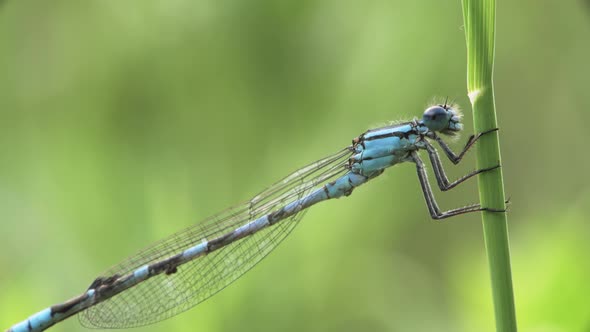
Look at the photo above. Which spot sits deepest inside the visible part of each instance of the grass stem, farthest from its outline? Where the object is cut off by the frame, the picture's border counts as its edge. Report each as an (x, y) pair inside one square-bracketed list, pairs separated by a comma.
[(479, 18)]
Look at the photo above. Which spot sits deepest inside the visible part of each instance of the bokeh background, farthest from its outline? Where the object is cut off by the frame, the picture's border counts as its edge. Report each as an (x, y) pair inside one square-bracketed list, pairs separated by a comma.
[(124, 121)]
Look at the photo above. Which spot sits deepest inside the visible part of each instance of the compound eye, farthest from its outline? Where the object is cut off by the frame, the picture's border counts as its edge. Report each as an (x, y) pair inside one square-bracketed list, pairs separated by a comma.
[(436, 118), (434, 112)]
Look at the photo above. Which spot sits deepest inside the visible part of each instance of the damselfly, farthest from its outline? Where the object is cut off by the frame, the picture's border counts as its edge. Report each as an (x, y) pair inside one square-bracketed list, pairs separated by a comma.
[(192, 265)]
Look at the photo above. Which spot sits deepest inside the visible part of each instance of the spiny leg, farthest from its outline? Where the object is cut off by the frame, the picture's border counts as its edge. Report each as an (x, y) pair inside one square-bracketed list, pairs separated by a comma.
[(457, 158), (439, 172), (433, 208)]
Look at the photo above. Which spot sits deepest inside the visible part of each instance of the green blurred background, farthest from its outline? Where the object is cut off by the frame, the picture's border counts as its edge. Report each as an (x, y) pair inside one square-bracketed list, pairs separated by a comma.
[(124, 121)]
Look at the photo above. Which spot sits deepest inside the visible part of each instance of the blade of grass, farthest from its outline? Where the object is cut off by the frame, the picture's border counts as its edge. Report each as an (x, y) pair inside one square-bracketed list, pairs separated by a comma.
[(479, 18)]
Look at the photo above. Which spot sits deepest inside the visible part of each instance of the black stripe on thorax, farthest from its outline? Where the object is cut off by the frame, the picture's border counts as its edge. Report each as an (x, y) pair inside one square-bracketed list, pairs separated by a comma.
[(393, 133), (400, 134)]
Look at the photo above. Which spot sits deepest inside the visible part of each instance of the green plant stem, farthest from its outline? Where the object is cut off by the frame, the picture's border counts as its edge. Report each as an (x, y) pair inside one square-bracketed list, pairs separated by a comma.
[(479, 18)]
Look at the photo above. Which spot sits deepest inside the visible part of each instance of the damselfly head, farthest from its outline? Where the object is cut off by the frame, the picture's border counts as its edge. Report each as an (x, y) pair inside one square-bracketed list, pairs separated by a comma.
[(443, 118)]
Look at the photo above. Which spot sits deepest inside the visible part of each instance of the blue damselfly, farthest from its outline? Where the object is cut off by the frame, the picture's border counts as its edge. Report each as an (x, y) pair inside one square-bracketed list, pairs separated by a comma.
[(190, 266)]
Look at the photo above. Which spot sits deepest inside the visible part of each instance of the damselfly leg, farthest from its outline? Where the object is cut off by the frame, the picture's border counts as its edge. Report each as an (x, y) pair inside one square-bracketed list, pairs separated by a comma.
[(456, 158), (433, 208), (439, 172)]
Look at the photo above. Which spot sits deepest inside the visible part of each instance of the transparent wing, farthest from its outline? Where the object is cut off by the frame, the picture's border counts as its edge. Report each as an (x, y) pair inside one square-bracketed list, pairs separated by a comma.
[(164, 296)]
